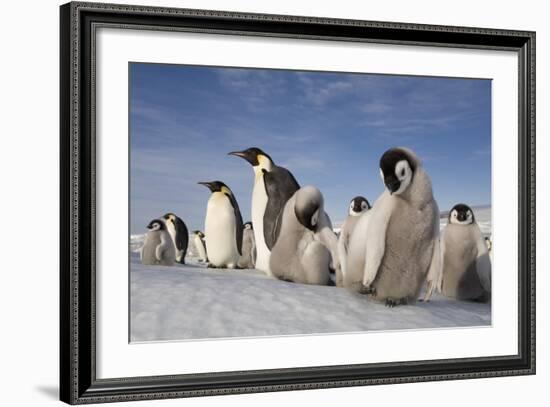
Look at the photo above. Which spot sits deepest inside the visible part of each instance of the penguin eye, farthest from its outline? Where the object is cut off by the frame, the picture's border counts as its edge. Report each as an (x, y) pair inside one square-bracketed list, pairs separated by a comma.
[(364, 205), (403, 172)]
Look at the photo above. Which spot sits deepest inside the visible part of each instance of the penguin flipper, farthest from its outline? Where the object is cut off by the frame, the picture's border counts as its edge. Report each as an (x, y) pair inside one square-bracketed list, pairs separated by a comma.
[(379, 217), (280, 185), (182, 240), (435, 272)]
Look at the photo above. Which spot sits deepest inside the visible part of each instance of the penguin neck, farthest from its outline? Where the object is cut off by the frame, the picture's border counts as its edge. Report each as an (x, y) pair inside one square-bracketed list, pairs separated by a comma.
[(264, 165)]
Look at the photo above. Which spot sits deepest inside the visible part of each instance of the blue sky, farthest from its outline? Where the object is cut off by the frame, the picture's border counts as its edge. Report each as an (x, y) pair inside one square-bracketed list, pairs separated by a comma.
[(328, 129)]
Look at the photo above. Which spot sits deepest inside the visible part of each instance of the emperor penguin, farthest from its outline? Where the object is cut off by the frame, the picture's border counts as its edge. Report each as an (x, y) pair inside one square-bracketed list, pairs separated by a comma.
[(394, 248), (357, 206), (273, 187), (466, 262), (223, 226), (158, 248), (200, 248), (180, 236), (248, 258), (301, 254)]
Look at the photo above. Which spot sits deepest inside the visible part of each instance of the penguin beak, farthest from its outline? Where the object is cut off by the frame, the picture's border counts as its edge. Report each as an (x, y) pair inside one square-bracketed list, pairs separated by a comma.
[(247, 155), (393, 185), (207, 185)]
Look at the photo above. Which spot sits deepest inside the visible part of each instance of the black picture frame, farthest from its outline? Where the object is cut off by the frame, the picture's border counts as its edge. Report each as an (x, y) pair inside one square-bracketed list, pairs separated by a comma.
[(78, 382)]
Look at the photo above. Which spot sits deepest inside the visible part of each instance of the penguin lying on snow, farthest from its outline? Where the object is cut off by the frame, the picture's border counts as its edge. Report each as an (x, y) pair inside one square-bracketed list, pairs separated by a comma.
[(466, 263), (301, 254), (198, 242), (394, 248), (273, 187), (223, 226), (158, 247), (180, 235), (358, 206), (248, 258)]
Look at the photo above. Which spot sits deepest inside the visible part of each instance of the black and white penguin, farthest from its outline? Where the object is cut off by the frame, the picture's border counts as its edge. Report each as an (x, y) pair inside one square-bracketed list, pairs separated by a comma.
[(248, 258), (200, 247), (180, 236), (394, 248), (466, 262), (301, 254), (223, 226), (158, 247), (357, 207), (273, 187)]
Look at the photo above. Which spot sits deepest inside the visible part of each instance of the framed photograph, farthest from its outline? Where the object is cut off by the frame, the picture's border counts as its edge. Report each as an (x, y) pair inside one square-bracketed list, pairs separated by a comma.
[(255, 203)]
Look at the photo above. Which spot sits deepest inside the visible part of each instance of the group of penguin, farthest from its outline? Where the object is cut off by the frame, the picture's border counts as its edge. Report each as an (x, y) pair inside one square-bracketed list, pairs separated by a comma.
[(389, 251)]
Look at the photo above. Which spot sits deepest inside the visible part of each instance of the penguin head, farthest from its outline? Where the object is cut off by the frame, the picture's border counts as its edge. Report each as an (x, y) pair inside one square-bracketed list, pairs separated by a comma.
[(358, 205), (248, 225), (156, 225), (461, 214), (217, 186), (488, 243), (397, 168), (198, 233), (256, 157), (170, 217), (308, 207)]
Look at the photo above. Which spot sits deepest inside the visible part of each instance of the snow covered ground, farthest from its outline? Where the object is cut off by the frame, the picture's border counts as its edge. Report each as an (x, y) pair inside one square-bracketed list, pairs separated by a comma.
[(193, 302)]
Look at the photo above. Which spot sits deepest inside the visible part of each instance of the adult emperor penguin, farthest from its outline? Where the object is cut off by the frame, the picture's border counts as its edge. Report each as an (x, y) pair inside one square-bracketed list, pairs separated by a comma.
[(158, 248), (223, 226), (200, 248), (180, 235), (394, 248), (357, 206), (248, 258), (466, 263), (273, 187), (301, 254)]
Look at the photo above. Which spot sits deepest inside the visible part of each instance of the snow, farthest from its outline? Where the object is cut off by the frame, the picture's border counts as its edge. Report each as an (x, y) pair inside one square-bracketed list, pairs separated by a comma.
[(193, 302)]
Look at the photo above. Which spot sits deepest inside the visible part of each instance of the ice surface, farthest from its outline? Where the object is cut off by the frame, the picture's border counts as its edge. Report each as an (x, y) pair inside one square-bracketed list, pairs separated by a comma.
[(193, 302)]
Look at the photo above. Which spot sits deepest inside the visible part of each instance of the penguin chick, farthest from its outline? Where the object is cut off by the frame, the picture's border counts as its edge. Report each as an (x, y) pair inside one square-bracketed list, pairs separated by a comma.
[(223, 226), (200, 247), (158, 248), (466, 262), (248, 258), (357, 206), (180, 236), (299, 255), (394, 248)]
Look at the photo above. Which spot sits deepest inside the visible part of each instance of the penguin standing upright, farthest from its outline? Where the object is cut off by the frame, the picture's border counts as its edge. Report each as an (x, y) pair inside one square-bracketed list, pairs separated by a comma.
[(200, 248), (273, 187), (180, 236), (466, 263), (248, 258), (301, 254), (223, 226), (357, 206), (394, 248), (158, 248)]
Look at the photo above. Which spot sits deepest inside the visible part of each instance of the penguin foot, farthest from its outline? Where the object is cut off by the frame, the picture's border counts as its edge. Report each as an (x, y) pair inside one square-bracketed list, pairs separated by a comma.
[(211, 266), (391, 302), (370, 290)]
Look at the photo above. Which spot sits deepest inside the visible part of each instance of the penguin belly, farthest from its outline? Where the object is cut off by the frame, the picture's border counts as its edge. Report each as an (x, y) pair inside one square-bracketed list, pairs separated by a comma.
[(199, 247), (460, 276), (148, 256), (259, 203), (220, 230), (407, 257)]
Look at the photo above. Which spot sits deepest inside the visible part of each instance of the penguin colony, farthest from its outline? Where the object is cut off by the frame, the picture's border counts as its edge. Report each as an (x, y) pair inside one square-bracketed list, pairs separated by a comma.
[(390, 252)]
